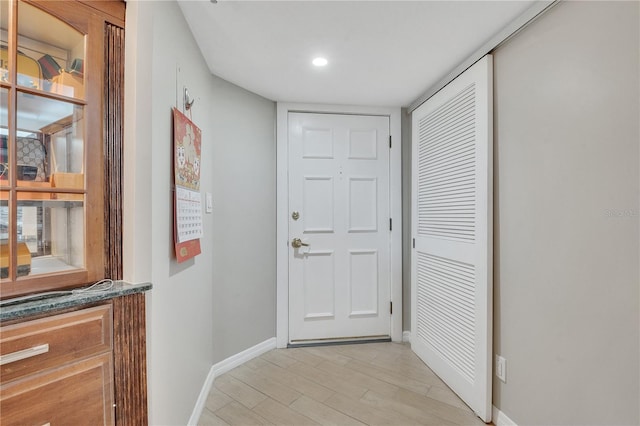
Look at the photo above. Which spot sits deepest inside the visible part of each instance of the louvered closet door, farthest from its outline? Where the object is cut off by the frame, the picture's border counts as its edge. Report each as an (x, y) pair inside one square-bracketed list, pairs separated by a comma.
[(452, 226)]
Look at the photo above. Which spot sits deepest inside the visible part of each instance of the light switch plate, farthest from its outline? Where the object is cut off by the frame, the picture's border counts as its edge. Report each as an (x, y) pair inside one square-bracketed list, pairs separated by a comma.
[(208, 203), (501, 368)]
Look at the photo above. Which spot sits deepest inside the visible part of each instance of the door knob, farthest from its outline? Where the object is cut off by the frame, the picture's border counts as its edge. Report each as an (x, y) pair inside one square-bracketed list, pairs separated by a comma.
[(297, 243)]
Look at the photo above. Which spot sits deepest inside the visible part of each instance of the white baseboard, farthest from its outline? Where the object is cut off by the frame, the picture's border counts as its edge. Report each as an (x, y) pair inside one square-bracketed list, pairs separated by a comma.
[(406, 336), (501, 419), (224, 366), (202, 398)]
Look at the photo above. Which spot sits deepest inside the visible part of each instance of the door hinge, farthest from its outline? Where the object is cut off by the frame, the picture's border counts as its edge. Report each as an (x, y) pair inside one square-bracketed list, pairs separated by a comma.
[(390, 224), (414, 243), (390, 308), (389, 141)]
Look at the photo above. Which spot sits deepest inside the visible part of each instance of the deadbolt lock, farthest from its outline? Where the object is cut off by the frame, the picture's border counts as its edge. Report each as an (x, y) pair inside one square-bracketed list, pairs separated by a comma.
[(295, 215)]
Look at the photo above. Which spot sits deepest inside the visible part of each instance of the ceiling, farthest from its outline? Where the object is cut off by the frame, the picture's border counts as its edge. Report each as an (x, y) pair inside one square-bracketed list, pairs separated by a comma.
[(380, 53)]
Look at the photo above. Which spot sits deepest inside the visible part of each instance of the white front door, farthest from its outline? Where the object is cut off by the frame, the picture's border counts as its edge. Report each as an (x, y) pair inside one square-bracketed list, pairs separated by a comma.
[(339, 282)]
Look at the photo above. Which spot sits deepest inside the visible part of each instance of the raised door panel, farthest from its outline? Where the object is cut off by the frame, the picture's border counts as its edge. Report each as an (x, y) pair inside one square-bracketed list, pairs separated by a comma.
[(363, 282), (76, 394), (317, 205), (363, 204), (319, 284)]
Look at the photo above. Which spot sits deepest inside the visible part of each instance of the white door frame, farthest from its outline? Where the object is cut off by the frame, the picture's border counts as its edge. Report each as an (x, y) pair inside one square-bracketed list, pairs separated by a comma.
[(282, 210)]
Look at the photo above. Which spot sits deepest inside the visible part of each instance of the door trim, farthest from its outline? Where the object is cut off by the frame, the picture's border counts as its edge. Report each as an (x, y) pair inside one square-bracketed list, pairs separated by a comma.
[(282, 210)]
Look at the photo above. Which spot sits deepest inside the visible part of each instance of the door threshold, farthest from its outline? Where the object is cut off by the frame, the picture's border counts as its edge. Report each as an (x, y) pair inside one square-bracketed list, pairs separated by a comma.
[(305, 343)]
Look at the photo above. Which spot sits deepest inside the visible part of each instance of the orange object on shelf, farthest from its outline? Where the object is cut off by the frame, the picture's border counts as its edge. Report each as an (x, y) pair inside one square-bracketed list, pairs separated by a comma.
[(68, 181), (29, 71), (68, 84), (24, 260)]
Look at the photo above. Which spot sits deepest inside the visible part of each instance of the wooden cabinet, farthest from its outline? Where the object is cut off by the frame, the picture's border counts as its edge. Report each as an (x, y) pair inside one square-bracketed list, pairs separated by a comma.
[(59, 369), (61, 87)]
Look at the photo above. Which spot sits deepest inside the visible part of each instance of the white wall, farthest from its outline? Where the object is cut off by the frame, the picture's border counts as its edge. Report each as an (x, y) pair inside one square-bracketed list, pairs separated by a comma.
[(213, 306), (244, 231), (567, 94)]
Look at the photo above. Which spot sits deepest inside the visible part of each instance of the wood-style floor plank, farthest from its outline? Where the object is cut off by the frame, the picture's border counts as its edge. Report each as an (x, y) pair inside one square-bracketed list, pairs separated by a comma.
[(366, 413), (389, 377), (295, 381), (328, 380), (423, 417), (329, 353), (446, 395), (437, 408), (303, 355), (279, 358), (270, 388), (217, 399), (411, 369), (357, 378), (237, 414), (322, 413), (207, 418), (281, 415), (239, 391), (361, 384)]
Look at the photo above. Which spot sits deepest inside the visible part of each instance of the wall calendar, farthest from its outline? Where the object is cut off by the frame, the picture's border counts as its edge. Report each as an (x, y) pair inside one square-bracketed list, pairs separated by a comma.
[(187, 144)]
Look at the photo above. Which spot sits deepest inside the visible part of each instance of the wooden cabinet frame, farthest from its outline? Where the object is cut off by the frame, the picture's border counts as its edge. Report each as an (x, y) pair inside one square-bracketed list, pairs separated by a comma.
[(99, 21)]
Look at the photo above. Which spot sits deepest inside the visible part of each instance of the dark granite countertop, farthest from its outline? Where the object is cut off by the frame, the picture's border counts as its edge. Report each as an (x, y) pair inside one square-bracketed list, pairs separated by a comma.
[(54, 301)]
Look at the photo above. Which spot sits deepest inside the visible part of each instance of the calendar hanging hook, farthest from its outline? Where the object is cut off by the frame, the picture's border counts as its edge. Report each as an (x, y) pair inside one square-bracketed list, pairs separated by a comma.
[(188, 102)]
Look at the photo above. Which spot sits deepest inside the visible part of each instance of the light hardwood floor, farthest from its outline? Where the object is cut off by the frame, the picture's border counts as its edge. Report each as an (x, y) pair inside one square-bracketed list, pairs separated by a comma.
[(364, 384)]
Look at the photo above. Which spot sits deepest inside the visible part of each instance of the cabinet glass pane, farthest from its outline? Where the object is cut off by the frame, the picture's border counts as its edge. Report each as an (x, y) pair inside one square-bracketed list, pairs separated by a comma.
[(50, 53), (4, 235), (50, 142), (4, 40), (4, 134), (50, 235)]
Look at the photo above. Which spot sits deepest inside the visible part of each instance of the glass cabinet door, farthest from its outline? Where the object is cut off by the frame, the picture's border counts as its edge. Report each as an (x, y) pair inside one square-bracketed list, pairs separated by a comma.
[(46, 142)]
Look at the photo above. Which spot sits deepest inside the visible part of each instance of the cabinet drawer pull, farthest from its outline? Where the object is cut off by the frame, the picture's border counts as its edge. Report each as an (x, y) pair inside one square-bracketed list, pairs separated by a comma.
[(24, 354)]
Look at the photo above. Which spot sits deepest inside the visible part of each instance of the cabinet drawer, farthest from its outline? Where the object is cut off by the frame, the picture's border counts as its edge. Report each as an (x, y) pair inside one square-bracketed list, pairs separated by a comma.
[(36, 345), (80, 393)]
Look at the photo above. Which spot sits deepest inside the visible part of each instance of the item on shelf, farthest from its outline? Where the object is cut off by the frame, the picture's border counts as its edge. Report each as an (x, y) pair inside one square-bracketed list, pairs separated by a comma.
[(68, 84), (77, 67), (67, 181), (50, 68), (24, 260), (31, 152), (27, 172), (32, 159), (29, 71)]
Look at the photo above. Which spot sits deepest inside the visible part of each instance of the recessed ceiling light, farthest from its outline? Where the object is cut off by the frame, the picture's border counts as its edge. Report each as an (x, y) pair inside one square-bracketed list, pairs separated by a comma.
[(320, 62)]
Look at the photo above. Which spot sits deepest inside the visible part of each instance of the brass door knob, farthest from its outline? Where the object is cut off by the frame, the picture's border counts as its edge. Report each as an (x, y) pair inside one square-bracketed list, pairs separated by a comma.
[(297, 243)]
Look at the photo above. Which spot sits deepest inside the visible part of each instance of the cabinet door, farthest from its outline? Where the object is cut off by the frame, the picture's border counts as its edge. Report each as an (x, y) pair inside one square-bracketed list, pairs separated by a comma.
[(51, 137), (76, 394)]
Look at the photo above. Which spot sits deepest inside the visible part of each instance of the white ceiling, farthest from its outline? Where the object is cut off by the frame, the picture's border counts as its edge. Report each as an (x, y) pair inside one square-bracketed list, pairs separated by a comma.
[(381, 53)]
